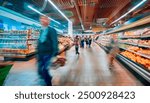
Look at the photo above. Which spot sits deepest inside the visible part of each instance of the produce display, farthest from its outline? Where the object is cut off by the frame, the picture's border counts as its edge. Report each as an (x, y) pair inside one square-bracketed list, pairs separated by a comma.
[(139, 52), (146, 31), (144, 42), (136, 58), (64, 42), (135, 45), (104, 40), (132, 41)]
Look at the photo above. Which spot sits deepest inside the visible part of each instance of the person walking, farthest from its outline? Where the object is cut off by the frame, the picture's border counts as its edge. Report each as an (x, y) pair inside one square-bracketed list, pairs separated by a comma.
[(46, 49), (113, 51), (90, 41), (76, 43), (82, 42), (86, 41)]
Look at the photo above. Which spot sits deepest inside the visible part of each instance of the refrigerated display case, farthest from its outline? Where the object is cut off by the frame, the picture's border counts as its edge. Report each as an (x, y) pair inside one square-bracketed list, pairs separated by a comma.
[(134, 44)]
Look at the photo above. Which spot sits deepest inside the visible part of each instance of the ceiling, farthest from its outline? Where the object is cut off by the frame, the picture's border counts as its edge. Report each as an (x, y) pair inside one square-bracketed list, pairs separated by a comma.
[(90, 13)]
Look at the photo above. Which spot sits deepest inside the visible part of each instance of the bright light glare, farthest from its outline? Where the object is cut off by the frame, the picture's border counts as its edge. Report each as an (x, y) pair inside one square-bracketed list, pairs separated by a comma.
[(82, 27), (42, 14), (129, 11), (58, 10), (35, 10)]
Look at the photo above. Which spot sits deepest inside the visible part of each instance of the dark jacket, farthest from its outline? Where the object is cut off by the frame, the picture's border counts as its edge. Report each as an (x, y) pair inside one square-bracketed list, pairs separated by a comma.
[(50, 45)]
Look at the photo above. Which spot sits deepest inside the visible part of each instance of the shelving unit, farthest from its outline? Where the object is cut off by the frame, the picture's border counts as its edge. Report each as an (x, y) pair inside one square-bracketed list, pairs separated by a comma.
[(18, 44), (138, 37), (140, 54), (135, 25), (64, 43), (140, 70), (138, 45)]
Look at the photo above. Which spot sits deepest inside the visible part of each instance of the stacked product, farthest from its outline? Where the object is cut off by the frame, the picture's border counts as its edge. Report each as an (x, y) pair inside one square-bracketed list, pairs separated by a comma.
[(137, 46), (141, 59), (18, 43), (64, 44), (104, 40)]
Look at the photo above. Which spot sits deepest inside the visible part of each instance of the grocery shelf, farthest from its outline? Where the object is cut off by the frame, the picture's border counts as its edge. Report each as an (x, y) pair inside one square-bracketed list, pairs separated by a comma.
[(102, 46), (145, 46), (141, 22), (14, 39), (145, 36), (14, 55), (138, 69), (135, 37), (13, 34), (4, 33), (18, 55), (129, 43), (140, 54), (138, 45), (129, 37)]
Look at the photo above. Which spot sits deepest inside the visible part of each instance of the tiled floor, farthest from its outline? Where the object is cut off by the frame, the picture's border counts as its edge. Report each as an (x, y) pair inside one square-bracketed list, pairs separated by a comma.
[(90, 68)]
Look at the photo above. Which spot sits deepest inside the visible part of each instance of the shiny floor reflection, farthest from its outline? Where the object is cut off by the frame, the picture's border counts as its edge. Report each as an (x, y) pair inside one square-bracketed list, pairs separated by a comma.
[(90, 68)]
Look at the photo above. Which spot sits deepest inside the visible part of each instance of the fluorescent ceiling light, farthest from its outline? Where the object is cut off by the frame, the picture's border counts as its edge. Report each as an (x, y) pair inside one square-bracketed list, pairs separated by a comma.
[(42, 14), (61, 31), (59, 10), (135, 7), (82, 27)]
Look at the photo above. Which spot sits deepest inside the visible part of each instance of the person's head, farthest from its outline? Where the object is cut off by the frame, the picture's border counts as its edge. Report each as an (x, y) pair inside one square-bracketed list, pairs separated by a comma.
[(45, 21), (77, 36)]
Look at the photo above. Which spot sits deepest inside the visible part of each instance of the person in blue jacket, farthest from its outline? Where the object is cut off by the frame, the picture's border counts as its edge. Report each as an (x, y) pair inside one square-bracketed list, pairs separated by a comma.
[(46, 49)]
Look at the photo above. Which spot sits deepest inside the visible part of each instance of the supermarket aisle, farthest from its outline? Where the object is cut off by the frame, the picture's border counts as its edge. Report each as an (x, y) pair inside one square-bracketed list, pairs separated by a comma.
[(91, 68), (88, 69)]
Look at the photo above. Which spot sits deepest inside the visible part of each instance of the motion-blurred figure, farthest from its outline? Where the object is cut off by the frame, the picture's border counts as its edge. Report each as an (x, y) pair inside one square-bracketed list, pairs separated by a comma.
[(90, 41), (82, 42), (47, 48), (76, 43), (87, 41), (113, 51)]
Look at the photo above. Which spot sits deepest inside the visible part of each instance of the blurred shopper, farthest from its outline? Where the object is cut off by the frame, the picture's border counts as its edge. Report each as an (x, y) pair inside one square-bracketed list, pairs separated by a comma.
[(113, 51), (86, 41), (47, 48), (82, 42), (76, 43), (90, 41)]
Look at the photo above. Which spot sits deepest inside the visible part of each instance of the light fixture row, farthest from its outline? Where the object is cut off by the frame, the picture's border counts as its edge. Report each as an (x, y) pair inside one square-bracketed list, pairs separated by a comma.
[(42, 14), (135, 7)]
